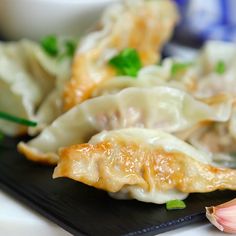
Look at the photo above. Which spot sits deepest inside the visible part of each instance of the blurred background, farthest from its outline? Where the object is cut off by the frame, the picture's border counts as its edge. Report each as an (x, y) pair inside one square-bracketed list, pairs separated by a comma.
[(206, 19), (200, 19)]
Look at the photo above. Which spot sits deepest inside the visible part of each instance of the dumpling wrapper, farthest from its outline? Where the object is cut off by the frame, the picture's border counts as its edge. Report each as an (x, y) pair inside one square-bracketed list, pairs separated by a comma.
[(52, 105), (209, 56), (27, 76), (211, 82), (165, 108), (149, 76), (218, 140), (147, 165), (198, 77), (148, 25)]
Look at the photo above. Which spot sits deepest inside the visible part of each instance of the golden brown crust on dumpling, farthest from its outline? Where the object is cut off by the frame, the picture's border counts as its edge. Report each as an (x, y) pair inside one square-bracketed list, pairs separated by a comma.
[(112, 165), (143, 25), (34, 155), (81, 85)]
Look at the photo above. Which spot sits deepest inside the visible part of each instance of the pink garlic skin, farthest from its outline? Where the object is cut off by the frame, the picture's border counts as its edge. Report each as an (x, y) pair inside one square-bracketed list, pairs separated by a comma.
[(223, 216)]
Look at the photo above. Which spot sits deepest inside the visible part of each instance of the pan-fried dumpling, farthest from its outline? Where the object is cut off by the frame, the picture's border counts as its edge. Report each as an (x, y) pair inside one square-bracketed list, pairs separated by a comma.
[(27, 76), (218, 140), (213, 81), (211, 72), (169, 109), (214, 84), (147, 165), (148, 25), (199, 77), (52, 106), (149, 76), (209, 56)]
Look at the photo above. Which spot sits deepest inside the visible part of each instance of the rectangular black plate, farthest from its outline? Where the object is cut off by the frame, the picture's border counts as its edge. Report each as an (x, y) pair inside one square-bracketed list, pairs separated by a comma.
[(83, 210)]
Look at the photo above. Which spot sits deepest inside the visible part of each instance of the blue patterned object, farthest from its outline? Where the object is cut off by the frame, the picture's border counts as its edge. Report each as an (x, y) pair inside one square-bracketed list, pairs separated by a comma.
[(207, 19)]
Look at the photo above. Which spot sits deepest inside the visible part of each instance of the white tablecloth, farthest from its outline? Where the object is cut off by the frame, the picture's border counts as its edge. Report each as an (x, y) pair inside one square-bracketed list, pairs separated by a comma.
[(17, 219)]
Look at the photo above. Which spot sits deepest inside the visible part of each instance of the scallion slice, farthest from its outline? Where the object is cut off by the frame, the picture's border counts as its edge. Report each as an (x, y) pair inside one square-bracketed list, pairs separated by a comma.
[(179, 67), (175, 204), (15, 119), (50, 45), (220, 67), (70, 47), (127, 62), (1, 136)]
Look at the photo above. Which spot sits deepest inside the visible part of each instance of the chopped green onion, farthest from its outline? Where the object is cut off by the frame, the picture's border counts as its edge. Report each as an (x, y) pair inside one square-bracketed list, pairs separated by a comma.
[(232, 154), (220, 67), (70, 47), (57, 47), (175, 204), (178, 67), (1, 136), (8, 117), (127, 62), (50, 45), (67, 49)]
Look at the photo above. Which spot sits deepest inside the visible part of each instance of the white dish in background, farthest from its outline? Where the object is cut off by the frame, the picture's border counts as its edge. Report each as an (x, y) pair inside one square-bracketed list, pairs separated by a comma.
[(34, 19)]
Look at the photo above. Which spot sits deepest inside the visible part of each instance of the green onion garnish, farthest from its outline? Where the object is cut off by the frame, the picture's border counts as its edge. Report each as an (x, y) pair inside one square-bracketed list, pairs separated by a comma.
[(179, 67), (70, 47), (1, 136), (232, 154), (8, 117), (175, 204), (220, 67), (127, 62), (67, 49), (50, 45), (60, 48)]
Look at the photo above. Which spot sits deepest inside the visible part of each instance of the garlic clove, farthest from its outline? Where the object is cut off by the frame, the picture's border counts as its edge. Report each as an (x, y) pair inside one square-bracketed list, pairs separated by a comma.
[(223, 216)]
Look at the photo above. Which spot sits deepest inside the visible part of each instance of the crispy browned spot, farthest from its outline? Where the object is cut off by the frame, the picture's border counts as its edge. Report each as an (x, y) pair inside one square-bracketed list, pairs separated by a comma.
[(113, 165), (34, 155), (82, 82)]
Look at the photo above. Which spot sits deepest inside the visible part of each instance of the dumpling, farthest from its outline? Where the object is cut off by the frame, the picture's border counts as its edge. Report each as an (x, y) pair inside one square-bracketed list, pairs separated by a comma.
[(209, 56), (148, 76), (148, 25), (147, 165), (119, 83), (198, 77), (165, 108), (27, 76), (212, 82), (218, 140), (52, 106)]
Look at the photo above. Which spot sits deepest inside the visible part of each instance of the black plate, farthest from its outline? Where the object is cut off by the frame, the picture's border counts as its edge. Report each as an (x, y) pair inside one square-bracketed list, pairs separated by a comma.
[(83, 210)]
